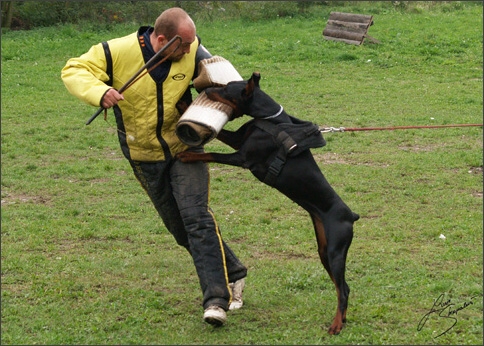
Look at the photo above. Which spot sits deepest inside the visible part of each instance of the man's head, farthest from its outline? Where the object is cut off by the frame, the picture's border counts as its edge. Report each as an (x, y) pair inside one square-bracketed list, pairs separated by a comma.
[(172, 22)]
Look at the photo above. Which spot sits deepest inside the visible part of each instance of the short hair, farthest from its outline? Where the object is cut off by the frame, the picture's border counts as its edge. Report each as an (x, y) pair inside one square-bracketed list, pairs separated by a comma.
[(169, 20)]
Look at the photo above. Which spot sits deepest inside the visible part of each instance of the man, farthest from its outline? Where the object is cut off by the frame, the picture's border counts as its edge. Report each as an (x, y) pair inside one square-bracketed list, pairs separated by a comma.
[(146, 116)]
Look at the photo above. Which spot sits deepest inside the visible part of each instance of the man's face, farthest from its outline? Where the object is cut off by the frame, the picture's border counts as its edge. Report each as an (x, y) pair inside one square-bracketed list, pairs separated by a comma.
[(187, 34)]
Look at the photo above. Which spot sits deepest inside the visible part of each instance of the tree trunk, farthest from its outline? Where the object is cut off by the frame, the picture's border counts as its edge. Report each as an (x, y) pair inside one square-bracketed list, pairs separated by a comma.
[(7, 11)]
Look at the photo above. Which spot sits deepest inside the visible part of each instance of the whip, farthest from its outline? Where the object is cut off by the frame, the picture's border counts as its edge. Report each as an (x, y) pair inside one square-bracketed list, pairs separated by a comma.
[(139, 74)]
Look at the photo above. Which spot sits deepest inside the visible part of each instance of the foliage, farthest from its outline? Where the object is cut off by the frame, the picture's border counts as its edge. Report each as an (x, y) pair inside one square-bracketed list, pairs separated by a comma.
[(30, 14), (86, 260)]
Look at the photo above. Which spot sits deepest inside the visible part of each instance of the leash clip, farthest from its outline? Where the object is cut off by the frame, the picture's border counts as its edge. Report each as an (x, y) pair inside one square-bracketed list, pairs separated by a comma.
[(331, 129)]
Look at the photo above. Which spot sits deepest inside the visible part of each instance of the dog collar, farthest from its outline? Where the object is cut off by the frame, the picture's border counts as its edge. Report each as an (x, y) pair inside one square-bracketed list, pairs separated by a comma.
[(275, 115)]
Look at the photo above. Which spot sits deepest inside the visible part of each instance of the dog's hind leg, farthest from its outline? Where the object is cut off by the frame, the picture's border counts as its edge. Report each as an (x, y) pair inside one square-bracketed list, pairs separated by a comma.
[(339, 241), (332, 253), (322, 243)]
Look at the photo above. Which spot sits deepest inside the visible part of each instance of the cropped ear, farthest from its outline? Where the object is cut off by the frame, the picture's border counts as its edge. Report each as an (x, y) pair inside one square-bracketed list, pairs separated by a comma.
[(256, 78), (252, 83)]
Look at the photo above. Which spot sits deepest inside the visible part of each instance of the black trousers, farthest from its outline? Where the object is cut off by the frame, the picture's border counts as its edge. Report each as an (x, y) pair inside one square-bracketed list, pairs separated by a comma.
[(179, 192)]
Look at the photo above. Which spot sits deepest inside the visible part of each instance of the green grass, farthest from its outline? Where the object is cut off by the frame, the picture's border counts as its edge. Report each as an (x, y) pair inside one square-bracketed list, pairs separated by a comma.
[(86, 260)]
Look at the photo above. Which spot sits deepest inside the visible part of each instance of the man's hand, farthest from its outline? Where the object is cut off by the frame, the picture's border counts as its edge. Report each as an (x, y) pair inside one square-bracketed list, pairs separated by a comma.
[(111, 98)]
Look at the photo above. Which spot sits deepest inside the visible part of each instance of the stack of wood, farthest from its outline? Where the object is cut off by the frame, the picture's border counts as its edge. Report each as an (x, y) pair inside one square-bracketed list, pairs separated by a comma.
[(349, 28)]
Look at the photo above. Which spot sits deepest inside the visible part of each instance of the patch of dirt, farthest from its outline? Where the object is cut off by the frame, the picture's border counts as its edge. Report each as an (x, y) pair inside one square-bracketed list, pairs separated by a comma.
[(329, 158), (8, 199), (284, 255), (475, 170), (419, 148)]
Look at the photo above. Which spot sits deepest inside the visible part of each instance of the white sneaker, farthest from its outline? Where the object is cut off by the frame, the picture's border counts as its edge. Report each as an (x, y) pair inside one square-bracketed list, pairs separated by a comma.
[(237, 288), (215, 315)]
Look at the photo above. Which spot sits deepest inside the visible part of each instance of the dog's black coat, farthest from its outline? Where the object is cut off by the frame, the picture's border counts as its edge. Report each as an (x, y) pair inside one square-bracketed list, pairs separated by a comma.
[(299, 177)]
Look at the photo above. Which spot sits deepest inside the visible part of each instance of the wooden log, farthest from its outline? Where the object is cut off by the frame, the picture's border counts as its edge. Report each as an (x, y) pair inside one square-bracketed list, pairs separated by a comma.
[(357, 43), (352, 36), (349, 26), (350, 17)]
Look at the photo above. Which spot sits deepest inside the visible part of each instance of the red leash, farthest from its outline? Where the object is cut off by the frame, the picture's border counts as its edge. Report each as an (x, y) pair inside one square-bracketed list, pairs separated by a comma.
[(350, 129)]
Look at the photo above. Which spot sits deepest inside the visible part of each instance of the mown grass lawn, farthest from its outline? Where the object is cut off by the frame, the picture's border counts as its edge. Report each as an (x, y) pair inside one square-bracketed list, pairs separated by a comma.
[(85, 260)]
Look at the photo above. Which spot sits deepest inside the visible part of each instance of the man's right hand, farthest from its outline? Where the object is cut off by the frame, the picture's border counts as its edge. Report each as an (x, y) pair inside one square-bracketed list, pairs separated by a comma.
[(111, 98)]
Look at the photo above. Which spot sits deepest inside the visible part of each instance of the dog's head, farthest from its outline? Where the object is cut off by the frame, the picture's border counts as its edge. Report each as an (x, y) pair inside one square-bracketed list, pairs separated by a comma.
[(245, 97)]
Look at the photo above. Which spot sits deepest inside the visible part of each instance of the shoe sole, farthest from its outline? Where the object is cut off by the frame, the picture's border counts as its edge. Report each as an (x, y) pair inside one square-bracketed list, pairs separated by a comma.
[(214, 321), (215, 317)]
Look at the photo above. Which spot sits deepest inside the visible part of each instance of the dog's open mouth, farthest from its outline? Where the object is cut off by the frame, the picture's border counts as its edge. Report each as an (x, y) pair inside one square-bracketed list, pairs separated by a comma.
[(202, 121), (214, 95)]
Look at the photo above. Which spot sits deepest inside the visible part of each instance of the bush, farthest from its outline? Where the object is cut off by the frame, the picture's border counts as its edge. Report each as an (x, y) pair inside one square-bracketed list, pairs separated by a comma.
[(30, 14)]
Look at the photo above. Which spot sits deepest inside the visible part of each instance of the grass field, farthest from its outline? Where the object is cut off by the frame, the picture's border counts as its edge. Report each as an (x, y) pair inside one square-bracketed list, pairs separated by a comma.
[(86, 260)]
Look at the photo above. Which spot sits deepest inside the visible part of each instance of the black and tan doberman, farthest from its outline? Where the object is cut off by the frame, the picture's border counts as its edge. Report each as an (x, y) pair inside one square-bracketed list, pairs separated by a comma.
[(277, 156)]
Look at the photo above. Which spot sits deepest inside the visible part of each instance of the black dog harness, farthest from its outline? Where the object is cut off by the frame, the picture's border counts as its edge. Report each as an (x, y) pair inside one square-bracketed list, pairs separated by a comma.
[(292, 139)]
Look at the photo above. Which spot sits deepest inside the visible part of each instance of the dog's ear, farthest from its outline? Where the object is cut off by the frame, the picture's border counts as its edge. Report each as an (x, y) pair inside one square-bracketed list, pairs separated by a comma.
[(256, 78), (252, 83)]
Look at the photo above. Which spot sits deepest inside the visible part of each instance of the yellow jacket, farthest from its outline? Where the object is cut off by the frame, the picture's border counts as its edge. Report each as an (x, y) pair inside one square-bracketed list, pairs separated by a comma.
[(146, 131)]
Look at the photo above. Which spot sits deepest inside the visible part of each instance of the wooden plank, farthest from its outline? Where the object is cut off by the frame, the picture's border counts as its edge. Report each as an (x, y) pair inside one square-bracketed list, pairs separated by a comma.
[(357, 43), (352, 27), (350, 17), (353, 36), (345, 29)]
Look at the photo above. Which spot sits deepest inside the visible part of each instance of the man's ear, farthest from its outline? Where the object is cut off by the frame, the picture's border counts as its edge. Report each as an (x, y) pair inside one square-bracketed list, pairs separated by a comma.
[(161, 40)]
